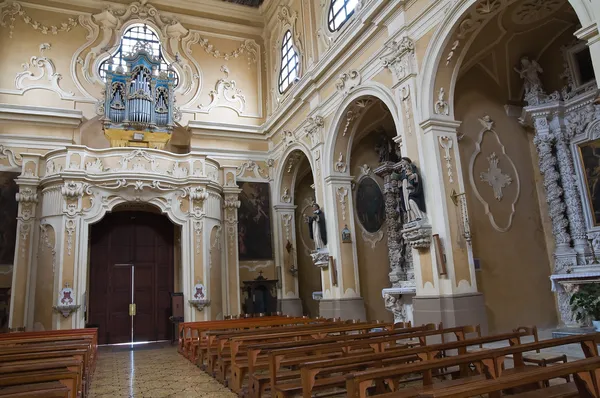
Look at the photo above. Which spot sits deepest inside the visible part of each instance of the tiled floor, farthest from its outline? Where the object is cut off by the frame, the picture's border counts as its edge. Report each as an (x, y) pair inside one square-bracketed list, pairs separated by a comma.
[(151, 372)]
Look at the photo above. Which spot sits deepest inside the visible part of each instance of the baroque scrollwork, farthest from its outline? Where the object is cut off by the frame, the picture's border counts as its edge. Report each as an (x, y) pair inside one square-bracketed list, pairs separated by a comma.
[(400, 58), (47, 77), (348, 81), (225, 95)]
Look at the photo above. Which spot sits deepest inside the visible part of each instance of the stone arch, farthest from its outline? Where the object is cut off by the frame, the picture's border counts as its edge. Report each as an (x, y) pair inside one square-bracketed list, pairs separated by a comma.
[(375, 92), (280, 179), (443, 47)]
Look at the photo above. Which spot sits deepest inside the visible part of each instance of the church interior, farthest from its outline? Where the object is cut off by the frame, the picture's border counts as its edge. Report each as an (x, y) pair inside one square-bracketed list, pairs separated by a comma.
[(316, 198)]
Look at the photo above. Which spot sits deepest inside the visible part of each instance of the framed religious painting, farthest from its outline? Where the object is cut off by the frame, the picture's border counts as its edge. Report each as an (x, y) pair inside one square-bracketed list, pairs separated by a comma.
[(254, 222), (589, 155), (370, 205)]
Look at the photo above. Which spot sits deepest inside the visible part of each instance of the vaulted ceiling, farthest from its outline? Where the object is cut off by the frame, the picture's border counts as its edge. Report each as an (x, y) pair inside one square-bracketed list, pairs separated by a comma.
[(251, 3)]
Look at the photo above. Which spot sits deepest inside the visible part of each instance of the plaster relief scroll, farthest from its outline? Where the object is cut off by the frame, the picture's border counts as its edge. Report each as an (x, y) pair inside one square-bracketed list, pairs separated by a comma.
[(225, 95), (494, 177), (46, 78)]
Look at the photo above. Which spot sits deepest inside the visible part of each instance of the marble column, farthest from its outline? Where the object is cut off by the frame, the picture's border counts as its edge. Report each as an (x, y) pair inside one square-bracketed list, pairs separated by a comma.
[(289, 301), (231, 205), (394, 237), (557, 207), (27, 197), (571, 194)]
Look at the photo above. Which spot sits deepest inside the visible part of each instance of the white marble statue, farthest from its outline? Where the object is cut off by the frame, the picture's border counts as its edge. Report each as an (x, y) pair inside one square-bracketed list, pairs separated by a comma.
[(317, 229), (529, 72), (413, 203)]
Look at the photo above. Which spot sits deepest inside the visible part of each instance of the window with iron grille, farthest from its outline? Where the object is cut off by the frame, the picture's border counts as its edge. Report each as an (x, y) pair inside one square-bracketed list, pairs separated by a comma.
[(142, 34), (339, 12), (289, 63)]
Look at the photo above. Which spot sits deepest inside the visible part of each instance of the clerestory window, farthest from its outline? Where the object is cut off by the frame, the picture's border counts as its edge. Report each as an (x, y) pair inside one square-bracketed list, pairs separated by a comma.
[(289, 63), (138, 34), (339, 12)]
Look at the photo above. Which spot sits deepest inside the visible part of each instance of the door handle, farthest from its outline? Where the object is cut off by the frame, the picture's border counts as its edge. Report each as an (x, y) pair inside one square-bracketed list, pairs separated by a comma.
[(132, 309)]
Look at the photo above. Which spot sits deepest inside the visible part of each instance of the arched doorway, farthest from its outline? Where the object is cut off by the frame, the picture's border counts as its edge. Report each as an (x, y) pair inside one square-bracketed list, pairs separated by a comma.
[(131, 262)]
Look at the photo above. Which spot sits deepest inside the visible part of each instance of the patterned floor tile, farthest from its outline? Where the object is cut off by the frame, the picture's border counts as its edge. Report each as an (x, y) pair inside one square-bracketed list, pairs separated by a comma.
[(151, 373)]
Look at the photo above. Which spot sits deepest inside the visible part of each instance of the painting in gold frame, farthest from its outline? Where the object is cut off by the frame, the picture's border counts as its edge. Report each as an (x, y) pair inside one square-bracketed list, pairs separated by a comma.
[(589, 155)]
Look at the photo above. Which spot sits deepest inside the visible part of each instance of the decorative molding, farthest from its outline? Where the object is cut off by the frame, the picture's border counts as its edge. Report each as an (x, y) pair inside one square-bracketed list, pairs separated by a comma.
[(314, 126), (15, 9), (46, 243), (225, 95), (400, 58), (46, 69), (441, 106), (249, 48), (481, 12), (254, 168), (407, 105), (256, 265), (285, 197), (348, 81), (495, 177), (287, 137), (372, 238), (447, 143), (287, 223), (355, 111), (488, 127), (342, 194), (531, 11), (340, 165), (13, 160)]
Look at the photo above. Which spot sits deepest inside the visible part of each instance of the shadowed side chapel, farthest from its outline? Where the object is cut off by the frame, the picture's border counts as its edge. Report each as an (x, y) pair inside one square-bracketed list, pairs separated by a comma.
[(239, 178)]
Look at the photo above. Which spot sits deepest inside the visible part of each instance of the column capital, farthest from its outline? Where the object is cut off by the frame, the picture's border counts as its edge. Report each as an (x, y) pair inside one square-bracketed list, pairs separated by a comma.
[(285, 208), (443, 125), (338, 179)]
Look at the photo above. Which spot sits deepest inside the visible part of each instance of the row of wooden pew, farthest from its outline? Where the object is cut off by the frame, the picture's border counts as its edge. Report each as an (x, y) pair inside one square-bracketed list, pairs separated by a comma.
[(56, 363), (287, 357)]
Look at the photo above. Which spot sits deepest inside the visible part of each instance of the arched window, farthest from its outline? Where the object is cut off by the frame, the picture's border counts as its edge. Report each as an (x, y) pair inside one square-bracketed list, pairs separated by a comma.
[(289, 63), (339, 12), (138, 33)]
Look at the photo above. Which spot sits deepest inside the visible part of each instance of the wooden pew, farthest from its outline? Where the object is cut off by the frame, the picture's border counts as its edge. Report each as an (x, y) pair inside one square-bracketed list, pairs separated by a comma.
[(489, 362), (311, 367), (216, 351), (187, 330), (30, 354), (67, 371), (586, 371), (248, 360), (315, 333), (252, 361), (204, 337), (52, 389)]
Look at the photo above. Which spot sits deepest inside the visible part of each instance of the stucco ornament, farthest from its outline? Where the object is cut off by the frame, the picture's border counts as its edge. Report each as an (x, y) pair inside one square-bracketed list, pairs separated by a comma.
[(495, 177), (531, 11), (441, 105), (400, 58), (225, 95), (394, 305), (46, 78), (14, 10)]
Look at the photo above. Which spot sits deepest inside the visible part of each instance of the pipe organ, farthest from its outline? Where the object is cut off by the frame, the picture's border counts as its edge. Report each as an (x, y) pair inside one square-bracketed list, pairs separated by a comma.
[(139, 102)]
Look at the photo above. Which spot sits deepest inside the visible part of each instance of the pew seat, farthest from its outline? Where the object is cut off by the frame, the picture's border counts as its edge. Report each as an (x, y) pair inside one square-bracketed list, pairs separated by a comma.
[(52, 389)]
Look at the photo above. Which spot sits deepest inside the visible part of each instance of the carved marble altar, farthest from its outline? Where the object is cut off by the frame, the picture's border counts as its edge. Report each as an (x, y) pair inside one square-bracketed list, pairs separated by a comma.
[(405, 234), (562, 123)]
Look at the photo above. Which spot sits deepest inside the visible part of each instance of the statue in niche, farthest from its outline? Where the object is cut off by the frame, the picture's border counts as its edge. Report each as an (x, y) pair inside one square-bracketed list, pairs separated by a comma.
[(412, 201), (385, 149), (530, 71), (316, 224)]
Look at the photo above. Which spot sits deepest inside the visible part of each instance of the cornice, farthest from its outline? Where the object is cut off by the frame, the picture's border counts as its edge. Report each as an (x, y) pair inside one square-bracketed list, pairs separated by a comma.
[(53, 117), (214, 129), (250, 22)]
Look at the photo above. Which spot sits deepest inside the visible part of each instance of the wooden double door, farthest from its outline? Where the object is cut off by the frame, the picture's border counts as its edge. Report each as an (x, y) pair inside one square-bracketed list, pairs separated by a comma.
[(131, 277)]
